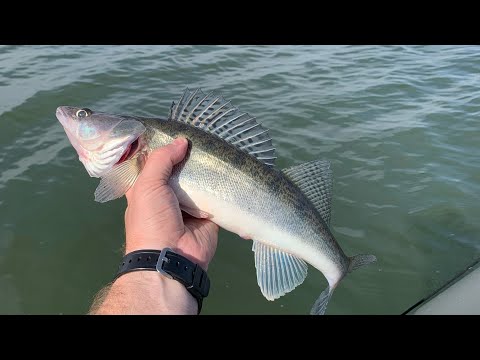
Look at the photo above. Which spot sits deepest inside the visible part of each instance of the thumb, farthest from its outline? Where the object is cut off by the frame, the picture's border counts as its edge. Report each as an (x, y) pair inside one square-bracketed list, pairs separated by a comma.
[(158, 167), (161, 161)]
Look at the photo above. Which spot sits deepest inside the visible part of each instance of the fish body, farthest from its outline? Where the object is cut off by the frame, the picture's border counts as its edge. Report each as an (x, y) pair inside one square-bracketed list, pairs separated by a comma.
[(229, 177)]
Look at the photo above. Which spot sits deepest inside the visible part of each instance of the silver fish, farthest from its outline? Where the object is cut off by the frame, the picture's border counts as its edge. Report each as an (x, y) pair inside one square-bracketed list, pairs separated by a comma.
[(228, 176)]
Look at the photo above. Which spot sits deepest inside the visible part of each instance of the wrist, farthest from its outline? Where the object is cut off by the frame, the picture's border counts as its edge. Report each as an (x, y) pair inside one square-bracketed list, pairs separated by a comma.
[(148, 292), (134, 243), (171, 265)]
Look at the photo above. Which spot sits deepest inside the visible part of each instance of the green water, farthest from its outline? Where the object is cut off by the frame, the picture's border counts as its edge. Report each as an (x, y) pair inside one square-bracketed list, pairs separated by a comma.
[(400, 125)]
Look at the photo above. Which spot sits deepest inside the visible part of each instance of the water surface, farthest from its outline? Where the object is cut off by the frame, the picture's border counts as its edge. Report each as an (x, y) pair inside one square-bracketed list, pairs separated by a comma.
[(399, 124)]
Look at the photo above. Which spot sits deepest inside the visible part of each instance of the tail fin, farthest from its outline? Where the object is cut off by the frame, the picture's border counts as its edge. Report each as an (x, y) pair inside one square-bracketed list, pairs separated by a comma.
[(321, 304), (355, 262), (360, 260)]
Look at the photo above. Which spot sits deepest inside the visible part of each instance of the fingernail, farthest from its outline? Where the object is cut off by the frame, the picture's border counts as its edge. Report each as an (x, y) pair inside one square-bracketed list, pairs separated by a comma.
[(179, 141)]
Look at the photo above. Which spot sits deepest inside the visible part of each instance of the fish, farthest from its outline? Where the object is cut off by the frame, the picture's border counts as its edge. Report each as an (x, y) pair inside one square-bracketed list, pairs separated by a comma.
[(228, 176)]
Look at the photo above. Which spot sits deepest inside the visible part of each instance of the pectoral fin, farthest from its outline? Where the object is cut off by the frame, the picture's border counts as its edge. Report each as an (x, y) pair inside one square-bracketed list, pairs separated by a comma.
[(117, 181)]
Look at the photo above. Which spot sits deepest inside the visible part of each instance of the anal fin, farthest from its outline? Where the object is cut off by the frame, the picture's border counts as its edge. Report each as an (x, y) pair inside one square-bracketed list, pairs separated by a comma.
[(277, 271)]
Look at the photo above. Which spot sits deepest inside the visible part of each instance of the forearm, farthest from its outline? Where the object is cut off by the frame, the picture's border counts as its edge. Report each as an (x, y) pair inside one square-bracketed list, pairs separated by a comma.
[(145, 292)]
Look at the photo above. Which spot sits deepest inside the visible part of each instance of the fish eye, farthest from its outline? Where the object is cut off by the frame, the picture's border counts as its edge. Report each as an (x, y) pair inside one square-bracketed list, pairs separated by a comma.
[(83, 113)]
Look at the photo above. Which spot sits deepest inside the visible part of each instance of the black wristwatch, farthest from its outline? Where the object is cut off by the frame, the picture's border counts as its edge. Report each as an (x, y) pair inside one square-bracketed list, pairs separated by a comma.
[(173, 266)]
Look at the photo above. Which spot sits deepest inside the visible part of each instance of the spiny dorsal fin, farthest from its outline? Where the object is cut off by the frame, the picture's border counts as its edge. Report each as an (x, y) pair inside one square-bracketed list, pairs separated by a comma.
[(277, 271), (315, 180), (213, 114)]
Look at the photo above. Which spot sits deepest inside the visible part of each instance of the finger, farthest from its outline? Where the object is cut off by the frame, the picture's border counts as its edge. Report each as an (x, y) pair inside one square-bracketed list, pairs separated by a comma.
[(161, 161), (158, 167), (203, 225)]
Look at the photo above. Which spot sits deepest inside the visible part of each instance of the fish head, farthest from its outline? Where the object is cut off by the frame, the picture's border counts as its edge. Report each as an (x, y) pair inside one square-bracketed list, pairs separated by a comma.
[(101, 140)]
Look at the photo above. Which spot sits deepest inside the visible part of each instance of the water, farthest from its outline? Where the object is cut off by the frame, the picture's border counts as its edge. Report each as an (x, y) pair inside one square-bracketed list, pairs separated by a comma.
[(399, 124)]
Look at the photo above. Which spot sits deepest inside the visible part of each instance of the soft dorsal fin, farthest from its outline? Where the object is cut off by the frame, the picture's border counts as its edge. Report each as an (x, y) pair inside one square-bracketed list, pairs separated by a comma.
[(314, 178), (215, 115)]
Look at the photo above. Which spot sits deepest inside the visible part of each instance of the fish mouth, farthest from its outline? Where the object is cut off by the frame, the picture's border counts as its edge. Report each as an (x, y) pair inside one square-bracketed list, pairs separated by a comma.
[(61, 116), (130, 151)]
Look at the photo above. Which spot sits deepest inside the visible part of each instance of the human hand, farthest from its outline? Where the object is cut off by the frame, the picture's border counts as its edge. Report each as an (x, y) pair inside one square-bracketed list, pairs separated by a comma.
[(153, 219)]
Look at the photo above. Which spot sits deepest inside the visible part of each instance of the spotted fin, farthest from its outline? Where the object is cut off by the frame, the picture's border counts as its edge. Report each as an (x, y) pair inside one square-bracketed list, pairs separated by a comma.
[(314, 178), (213, 114)]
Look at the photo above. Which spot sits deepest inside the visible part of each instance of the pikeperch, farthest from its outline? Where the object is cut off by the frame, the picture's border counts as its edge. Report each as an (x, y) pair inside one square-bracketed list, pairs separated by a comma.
[(228, 176)]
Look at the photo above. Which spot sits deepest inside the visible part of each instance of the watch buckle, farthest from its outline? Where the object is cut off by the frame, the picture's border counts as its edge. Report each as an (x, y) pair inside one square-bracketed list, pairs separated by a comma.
[(161, 260)]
